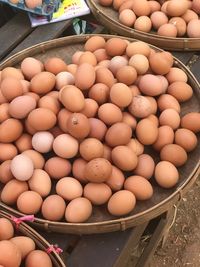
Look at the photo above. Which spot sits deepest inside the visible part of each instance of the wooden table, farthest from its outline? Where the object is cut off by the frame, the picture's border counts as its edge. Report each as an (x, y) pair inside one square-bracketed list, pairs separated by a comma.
[(99, 250)]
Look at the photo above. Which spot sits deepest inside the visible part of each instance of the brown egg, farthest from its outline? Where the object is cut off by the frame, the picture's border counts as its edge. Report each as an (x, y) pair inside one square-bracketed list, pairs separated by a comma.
[(139, 186), (5, 172), (127, 17), (78, 169), (40, 182), (107, 152), (98, 194), (143, 127), (164, 82), (186, 139), (72, 68), (10, 130), (69, 188), (124, 158), (98, 170), (145, 166), (105, 76), (154, 105), (120, 95), (117, 3), (174, 154), (136, 146), (115, 46), (154, 119), (176, 75), (6, 229), (165, 137), (166, 174), (158, 18), (116, 180), (87, 57), (118, 134), (29, 202), (12, 190), (76, 56), (24, 142), (176, 8), (61, 142), (85, 76), (191, 121), (97, 129), (24, 243), (129, 120), (90, 108), (57, 167), (91, 148), (94, 43), (126, 5), (2, 98), (143, 24), (170, 117), (154, 6), (140, 63), (116, 63), (121, 203), (138, 47), (72, 98), (126, 75), (4, 114), (8, 151), (180, 25), (167, 29), (33, 4), (10, 254), (101, 54), (55, 65), (109, 113), (53, 208), (161, 62), (140, 107), (25, 85), (78, 125), (33, 95), (36, 157), (38, 257), (62, 117), (31, 66), (64, 78), (100, 93), (50, 103), (167, 101), (42, 119), (43, 82), (10, 88), (141, 8), (180, 90), (150, 85), (21, 106), (12, 72), (78, 210), (189, 15)]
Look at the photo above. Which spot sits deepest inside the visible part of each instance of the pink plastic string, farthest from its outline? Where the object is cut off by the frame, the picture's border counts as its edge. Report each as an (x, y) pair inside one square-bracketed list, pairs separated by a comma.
[(54, 248), (17, 221)]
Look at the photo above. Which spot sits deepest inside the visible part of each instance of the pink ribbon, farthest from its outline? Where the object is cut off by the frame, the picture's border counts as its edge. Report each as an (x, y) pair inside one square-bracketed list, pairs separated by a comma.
[(17, 221), (54, 248)]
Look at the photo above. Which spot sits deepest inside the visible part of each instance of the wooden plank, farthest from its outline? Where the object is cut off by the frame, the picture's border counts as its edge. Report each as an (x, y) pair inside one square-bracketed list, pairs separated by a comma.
[(105, 250), (183, 56), (13, 32), (41, 34), (195, 68)]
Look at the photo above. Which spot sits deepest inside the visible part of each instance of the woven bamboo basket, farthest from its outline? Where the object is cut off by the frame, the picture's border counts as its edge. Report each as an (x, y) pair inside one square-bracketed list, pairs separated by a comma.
[(101, 221), (108, 17), (41, 243)]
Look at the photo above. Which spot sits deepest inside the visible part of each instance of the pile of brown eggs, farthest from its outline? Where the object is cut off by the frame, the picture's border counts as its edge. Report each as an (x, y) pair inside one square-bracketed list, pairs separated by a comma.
[(172, 18), (19, 250), (73, 135)]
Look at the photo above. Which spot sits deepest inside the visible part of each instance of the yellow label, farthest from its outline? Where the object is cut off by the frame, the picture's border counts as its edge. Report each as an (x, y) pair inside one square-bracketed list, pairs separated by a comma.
[(66, 4)]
